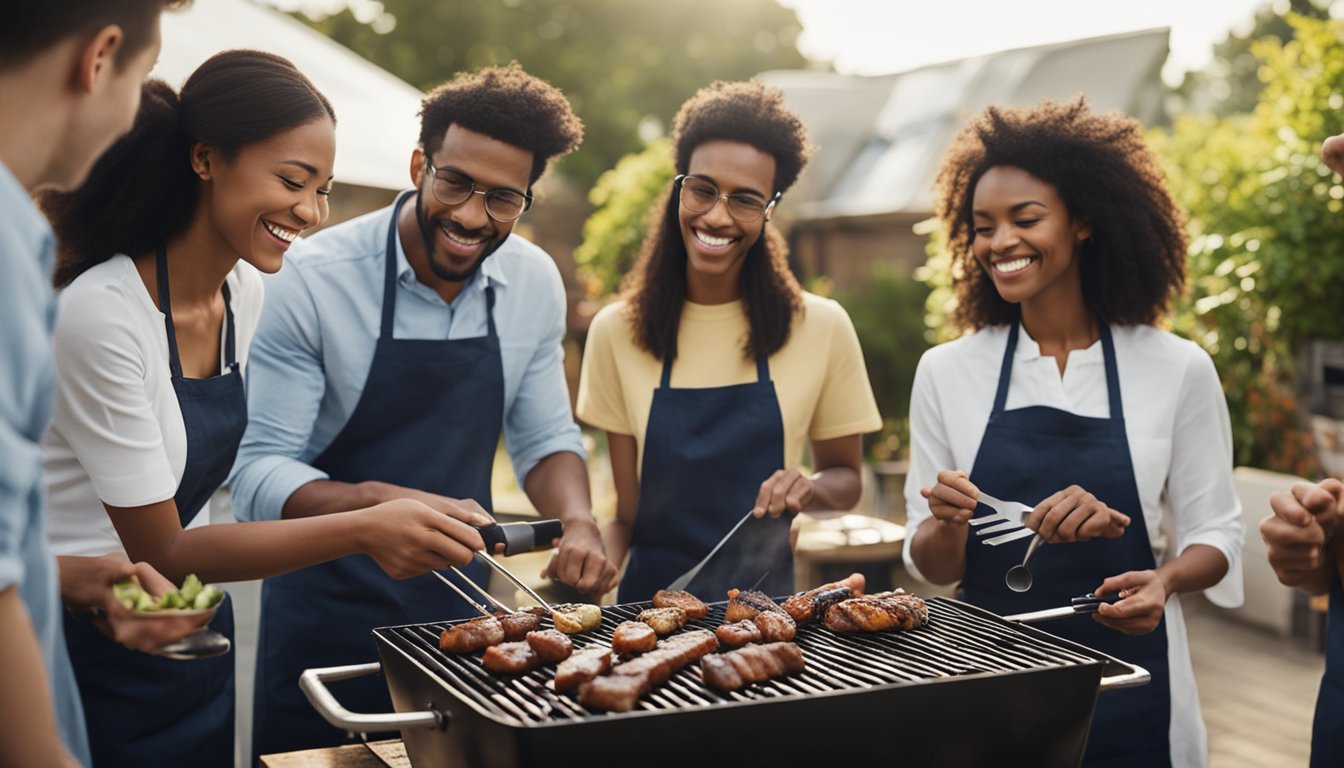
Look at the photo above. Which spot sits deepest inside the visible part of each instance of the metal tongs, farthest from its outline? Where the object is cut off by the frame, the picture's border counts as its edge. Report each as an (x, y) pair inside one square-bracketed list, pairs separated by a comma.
[(1077, 606), (516, 538)]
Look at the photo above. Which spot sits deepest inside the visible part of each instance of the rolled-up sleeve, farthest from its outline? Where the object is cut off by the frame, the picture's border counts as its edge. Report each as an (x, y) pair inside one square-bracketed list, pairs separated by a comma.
[(1200, 487), (539, 421), (285, 385)]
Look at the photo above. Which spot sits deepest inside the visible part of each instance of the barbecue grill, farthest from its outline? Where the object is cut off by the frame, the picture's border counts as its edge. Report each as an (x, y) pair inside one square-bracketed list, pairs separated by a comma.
[(969, 689)]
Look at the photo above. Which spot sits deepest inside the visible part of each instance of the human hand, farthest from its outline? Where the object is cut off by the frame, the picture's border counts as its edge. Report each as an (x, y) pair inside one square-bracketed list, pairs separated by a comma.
[(785, 490), (1073, 514), (86, 585), (1332, 152), (953, 498), (1303, 522), (466, 510), (1143, 599), (407, 538), (580, 560)]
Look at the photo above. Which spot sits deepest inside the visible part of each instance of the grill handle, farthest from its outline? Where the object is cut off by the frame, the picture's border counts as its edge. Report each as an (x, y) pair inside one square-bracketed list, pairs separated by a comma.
[(313, 683), (1136, 677)]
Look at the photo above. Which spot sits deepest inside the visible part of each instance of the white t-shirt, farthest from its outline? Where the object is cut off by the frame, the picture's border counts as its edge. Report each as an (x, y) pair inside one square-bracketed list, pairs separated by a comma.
[(116, 433), (1180, 442)]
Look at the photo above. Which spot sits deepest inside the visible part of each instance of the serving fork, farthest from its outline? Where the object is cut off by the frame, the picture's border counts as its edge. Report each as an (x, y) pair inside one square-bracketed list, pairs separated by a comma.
[(1005, 524)]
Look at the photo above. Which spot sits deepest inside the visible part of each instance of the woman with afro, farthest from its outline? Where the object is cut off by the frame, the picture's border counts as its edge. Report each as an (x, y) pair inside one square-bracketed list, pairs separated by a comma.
[(1066, 396), (715, 367)]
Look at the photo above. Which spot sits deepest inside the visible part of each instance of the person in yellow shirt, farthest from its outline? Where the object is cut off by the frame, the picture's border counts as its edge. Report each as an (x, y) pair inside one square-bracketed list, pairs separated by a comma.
[(715, 368)]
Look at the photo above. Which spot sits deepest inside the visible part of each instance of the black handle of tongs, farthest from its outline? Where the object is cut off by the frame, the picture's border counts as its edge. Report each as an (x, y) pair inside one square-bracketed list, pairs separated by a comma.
[(521, 537), (1077, 606), (1088, 603)]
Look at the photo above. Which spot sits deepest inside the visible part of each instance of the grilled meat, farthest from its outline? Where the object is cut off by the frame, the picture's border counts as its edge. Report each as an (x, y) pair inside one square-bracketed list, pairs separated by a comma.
[(746, 604), (517, 625), (620, 691), (664, 621), (612, 693), (775, 627), (472, 636), (738, 634), (632, 638), (572, 618), (733, 670), (812, 604), (510, 658), (550, 646), (582, 667), (876, 613), (692, 605)]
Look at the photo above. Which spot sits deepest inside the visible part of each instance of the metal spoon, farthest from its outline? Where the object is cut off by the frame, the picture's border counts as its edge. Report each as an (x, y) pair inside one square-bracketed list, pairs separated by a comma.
[(1018, 578), (205, 644)]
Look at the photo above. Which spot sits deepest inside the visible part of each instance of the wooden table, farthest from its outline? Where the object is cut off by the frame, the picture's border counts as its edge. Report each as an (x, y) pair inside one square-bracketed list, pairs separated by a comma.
[(375, 754)]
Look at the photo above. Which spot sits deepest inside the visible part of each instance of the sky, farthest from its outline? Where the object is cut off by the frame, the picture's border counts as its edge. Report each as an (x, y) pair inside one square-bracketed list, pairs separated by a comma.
[(883, 36)]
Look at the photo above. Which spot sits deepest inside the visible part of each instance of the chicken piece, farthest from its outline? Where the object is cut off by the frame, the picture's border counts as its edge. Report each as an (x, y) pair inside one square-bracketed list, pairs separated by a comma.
[(775, 627), (517, 625), (738, 634), (737, 669), (551, 646), (510, 658), (581, 667), (632, 638), (746, 604), (812, 604), (664, 621), (692, 605), (876, 613), (573, 618), (471, 636)]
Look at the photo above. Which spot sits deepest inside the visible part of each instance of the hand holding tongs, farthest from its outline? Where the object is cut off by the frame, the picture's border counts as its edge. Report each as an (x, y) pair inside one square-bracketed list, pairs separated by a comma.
[(1077, 606), (515, 538)]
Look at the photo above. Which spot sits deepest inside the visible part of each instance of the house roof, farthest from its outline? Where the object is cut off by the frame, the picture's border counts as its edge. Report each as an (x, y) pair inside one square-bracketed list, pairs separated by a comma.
[(376, 113), (881, 138)]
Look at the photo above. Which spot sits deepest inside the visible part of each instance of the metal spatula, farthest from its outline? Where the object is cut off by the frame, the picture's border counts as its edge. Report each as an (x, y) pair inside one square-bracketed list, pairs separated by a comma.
[(688, 576)]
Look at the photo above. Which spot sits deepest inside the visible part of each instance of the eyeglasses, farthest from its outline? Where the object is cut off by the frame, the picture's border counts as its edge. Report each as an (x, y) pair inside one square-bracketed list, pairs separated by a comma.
[(701, 195), (452, 188)]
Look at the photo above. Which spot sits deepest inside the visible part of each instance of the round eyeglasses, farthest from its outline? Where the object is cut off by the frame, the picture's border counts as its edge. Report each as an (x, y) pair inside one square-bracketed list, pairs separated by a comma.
[(701, 195), (453, 188)]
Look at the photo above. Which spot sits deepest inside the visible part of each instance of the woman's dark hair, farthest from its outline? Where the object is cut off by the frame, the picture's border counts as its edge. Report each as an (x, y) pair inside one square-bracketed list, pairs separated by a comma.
[(655, 290), (1134, 261), (143, 191), (508, 105)]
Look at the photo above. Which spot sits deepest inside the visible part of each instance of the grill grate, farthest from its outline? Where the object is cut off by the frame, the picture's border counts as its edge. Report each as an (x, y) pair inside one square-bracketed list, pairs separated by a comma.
[(959, 641)]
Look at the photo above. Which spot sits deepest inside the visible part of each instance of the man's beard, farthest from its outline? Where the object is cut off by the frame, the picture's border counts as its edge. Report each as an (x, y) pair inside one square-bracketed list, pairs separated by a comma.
[(441, 270)]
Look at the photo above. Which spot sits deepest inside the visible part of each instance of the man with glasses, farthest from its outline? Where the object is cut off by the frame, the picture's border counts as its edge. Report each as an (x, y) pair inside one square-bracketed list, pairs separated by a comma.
[(391, 351)]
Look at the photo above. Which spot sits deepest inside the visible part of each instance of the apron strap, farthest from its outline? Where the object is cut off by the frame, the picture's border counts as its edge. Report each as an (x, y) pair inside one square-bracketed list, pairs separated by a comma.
[(390, 273), (1005, 371), (490, 310), (762, 365), (166, 306), (230, 350), (1112, 373)]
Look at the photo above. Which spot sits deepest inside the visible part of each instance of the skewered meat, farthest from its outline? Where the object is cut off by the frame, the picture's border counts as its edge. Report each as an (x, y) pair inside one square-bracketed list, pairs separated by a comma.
[(632, 638), (472, 636), (582, 667), (692, 605), (738, 633), (812, 604), (756, 663), (875, 613), (572, 618), (775, 626), (664, 621), (746, 604), (551, 646), (517, 625), (620, 691), (510, 658)]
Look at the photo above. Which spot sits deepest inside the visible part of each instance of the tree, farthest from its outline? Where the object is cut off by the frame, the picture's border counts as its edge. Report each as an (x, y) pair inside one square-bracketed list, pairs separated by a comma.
[(623, 200), (626, 65)]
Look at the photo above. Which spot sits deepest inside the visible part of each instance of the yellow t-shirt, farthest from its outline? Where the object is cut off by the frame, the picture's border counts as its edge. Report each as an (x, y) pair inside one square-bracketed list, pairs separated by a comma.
[(819, 375)]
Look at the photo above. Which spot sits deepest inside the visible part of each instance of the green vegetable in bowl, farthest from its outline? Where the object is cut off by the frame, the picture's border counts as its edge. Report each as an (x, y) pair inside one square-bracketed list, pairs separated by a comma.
[(193, 595)]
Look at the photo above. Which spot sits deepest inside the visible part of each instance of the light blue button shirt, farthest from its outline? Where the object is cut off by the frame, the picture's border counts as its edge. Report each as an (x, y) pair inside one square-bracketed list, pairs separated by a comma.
[(319, 326), (27, 386)]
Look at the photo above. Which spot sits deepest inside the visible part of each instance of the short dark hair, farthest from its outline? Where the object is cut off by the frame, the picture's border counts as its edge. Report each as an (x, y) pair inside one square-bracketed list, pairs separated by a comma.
[(31, 27), (746, 112), (143, 191), (508, 105), (655, 289), (1134, 261)]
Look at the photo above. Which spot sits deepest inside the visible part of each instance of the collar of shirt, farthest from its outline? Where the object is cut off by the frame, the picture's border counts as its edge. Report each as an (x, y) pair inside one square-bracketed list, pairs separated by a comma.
[(1028, 350), (29, 224), (490, 273)]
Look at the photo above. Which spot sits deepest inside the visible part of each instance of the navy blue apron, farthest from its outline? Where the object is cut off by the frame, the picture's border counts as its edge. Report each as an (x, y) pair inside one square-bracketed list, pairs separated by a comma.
[(1327, 732), (143, 709), (706, 453), (429, 418), (1026, 455)]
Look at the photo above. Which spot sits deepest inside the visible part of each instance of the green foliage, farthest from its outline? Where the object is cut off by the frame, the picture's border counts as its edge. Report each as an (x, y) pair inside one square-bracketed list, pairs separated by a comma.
[(623, 200), (623, 63), (888, 315)]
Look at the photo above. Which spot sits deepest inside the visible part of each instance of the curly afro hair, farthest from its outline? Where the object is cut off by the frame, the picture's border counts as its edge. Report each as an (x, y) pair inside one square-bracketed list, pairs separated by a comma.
[(747, 112), (1134, 262), (508, 105)]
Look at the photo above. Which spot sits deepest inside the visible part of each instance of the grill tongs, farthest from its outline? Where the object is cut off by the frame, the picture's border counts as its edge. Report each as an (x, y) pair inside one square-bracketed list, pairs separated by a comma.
[(1077, 606), (515, 538)]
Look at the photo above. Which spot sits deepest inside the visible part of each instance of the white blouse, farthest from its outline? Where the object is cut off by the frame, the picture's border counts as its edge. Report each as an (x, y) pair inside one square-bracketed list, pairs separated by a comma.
[(116, 434), (1180, 442)]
